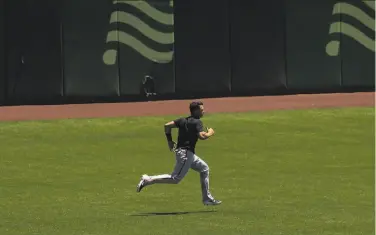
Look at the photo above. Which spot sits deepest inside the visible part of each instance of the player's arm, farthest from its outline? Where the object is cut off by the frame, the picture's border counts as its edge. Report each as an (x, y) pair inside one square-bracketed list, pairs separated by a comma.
[(204, 135), (168, 126), (167, 129)]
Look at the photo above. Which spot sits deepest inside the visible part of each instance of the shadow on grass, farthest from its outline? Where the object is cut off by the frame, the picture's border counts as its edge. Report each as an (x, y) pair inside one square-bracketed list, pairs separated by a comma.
[(171, 213)]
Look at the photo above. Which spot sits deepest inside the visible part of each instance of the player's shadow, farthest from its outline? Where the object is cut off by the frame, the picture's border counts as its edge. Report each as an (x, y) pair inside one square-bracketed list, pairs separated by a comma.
[(171, 213)]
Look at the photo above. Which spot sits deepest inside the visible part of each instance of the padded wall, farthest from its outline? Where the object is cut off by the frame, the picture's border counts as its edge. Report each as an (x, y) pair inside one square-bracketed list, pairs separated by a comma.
[(202, 48), (33, 39), (307, 27), (257, 45), (87, 71), (145, 32)]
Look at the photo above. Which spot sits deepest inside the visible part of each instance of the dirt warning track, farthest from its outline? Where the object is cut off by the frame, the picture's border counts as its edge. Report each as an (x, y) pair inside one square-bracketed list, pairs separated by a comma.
[(177, 107)]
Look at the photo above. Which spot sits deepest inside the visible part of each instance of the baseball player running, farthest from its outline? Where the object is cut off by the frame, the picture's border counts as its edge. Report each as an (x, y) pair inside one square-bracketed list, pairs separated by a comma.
[(190, 130)]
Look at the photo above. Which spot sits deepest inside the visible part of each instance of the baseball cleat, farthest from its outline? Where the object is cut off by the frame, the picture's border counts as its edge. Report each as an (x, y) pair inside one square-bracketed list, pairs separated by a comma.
[(212, 202), (142, 183)]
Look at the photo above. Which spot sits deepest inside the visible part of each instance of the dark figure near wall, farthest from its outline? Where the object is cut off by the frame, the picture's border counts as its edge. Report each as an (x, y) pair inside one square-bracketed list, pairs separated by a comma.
[(148, 87)]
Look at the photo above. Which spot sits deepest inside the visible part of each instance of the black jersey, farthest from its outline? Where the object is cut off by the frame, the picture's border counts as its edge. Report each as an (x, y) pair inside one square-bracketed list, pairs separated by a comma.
[(189, 127)]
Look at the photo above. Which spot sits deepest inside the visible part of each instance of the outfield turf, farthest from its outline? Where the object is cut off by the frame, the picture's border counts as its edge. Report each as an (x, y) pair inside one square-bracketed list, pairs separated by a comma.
[(281, 172)]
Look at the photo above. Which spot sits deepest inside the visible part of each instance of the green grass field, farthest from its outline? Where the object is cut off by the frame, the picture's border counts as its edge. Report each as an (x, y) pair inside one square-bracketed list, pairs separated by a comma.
[(283, 172)]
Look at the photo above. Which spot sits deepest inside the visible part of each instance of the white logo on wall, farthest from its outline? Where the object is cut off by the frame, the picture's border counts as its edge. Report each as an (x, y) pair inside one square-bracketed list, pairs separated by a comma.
[(346, 29), (122, 17)]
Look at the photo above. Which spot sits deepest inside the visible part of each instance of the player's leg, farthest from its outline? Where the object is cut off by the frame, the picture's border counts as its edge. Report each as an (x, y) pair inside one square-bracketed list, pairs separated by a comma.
[(200, 166), (184, 160), (183, 163)]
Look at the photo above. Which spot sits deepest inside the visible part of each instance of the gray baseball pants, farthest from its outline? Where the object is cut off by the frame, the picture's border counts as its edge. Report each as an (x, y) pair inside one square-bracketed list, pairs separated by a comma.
[(185, 160)]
